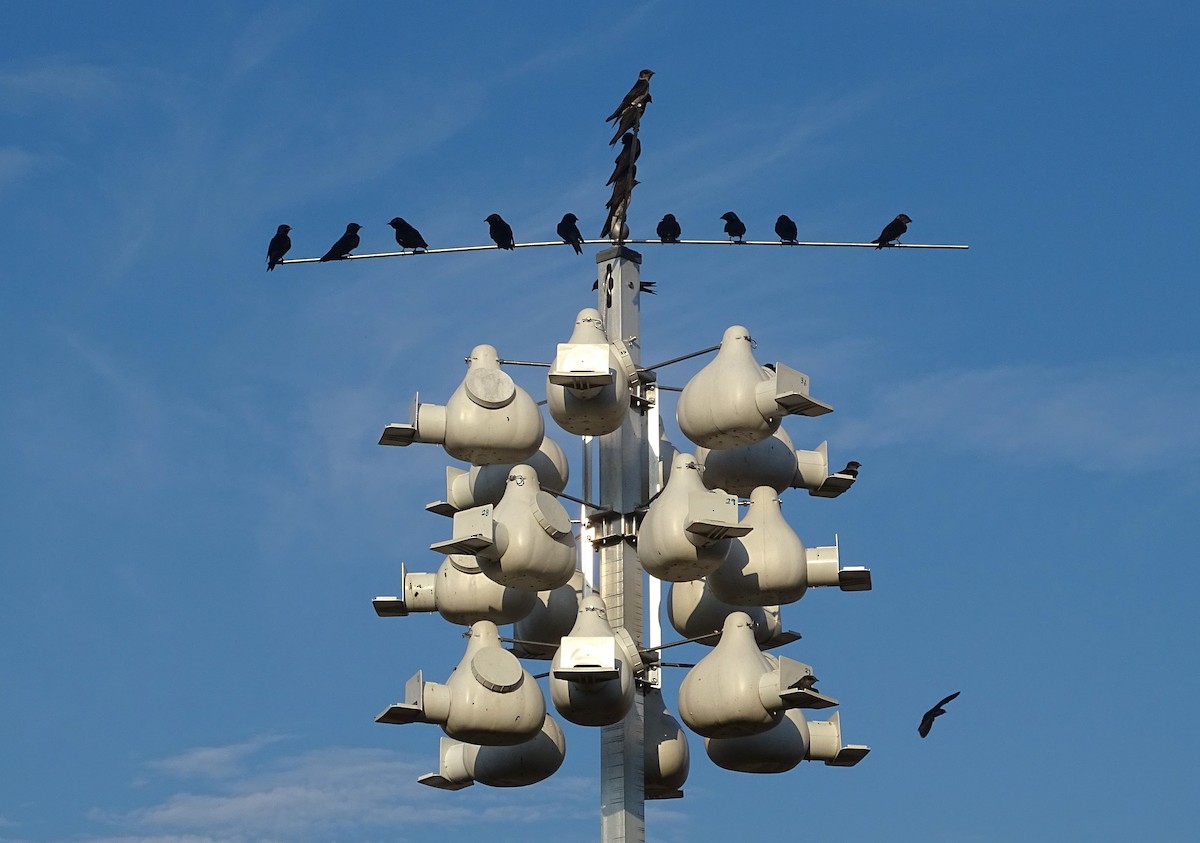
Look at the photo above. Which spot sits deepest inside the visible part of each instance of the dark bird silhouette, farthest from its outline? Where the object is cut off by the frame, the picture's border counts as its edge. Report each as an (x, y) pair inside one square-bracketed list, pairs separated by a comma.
[(735, 228), (643, 287), (785, 227), (278, 247), (407, 236), (500, 232), (668, 229), (631, 120), (622, 190), (630, 150), (638, 94), (851, 468), (934, 713), (618, 206), (569, 232), (345, 245), (892, 231)]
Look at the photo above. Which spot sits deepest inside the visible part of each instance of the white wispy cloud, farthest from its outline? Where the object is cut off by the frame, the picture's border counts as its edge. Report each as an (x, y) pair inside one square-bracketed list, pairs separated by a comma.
[(794, 138), (265, 33), (241, 795), (17, 163), (1113, 417), (57, 80), (213, 761)]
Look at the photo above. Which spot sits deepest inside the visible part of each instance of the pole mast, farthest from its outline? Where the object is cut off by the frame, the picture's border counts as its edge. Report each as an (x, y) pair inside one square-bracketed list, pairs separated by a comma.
[(623, 488)]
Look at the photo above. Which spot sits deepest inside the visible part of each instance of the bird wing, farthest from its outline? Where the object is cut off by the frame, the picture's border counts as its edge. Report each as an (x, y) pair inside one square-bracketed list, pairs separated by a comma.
[(952, 696)]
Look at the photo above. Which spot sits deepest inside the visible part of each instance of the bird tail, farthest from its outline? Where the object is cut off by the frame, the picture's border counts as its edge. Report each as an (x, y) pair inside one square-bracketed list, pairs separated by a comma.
[(578, 248)]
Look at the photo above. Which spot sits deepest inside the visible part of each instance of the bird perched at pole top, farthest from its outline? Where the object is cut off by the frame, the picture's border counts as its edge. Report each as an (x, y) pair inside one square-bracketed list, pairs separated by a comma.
[(500, 231), (569, 232), (638, 95), (851, 468), (934, 713), (346, 244), (734, 227), (668, 229), (278, 247), (631, 119), (785, 227), (407, 236), (892, 231)]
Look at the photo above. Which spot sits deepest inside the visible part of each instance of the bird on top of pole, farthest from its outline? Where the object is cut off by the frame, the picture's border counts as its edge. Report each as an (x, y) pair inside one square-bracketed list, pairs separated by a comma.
[(637, 98), (624, 177)]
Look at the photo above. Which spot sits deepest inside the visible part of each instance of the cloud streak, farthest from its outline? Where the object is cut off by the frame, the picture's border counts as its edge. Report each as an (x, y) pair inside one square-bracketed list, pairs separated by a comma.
[(243, 796), (1116, 418), (79, 83), (213, 761)]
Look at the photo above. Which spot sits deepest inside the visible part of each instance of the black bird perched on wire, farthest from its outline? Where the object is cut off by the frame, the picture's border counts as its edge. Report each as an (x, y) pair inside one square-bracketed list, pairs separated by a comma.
[(346, 244), (892, 231), (934, 713), (668, 229), (278, 247), (500, 231), (639, 94), (785, 227), (407, 236), (735, 228), (631, 119), (569, 232)]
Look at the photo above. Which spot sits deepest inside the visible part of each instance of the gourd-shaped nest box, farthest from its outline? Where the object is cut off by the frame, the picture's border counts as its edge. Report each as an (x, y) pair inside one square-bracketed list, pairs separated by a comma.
[(735, 401), (489, 699), (488, 419), (767, 566), (587, 388), (687, 531), (592, 673)]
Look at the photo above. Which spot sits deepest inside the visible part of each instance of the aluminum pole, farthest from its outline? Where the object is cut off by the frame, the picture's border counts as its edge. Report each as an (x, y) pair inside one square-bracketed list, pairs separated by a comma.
[(623, 487)]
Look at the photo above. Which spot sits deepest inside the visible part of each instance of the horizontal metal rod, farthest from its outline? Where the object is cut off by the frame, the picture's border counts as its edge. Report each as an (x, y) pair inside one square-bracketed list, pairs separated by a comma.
[(775, 243), (577, 500), (682, 358), (521, 363), (661, 647)]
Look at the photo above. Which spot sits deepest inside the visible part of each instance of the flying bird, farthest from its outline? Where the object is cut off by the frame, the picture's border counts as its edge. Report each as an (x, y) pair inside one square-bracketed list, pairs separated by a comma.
[(278, 247), (638, 94), (851, 468), (569, 232), (735, 228), (631, 120), (785, 227), (345, 245), (933, 714), (668, 229), (500, 231), (407, 236), (892, 231)]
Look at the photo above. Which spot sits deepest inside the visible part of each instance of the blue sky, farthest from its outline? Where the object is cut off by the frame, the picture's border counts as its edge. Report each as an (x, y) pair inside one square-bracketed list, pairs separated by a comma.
[(196, 513)]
